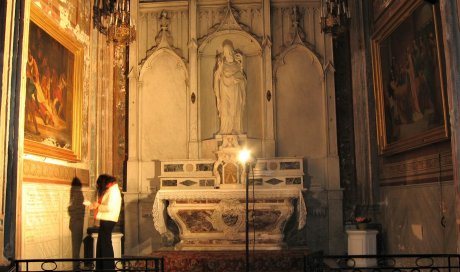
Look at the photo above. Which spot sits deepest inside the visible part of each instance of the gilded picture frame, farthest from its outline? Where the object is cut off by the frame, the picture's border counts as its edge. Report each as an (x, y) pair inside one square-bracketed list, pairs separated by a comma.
[(409, 79), (54, 67)]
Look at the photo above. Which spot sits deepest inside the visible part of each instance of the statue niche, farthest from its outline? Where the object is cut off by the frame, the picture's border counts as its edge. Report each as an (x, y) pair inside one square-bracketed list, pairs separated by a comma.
[(230, 89)]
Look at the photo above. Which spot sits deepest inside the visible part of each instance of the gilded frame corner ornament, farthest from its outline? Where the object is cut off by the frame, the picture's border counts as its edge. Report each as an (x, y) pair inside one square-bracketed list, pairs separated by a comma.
[(409, 79)]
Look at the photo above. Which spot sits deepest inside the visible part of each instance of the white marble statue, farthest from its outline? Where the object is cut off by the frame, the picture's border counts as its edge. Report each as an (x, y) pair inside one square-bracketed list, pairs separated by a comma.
[(230, 89)]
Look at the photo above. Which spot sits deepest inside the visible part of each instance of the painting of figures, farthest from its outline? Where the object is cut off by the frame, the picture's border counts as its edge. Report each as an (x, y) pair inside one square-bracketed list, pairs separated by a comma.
[(49, 73), (52, 91), (49, 86), (410, 95)]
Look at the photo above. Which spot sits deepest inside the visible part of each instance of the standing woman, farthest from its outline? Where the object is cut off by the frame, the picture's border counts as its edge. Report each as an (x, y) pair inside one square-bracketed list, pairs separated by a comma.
[(107, 211)]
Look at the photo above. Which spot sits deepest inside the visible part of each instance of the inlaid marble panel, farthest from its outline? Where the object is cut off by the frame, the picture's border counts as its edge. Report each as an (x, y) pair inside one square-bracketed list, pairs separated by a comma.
[(197, 220)]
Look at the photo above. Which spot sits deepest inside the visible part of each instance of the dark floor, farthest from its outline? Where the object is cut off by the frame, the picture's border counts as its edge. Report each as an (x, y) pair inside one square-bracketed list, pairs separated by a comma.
[(5, 268)]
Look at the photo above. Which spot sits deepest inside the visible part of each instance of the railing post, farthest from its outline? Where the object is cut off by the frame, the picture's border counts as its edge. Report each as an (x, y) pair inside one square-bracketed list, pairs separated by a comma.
[(157, 265)]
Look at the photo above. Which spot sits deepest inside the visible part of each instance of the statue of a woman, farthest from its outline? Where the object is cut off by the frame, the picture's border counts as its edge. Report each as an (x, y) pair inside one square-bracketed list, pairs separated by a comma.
[(230, 89)]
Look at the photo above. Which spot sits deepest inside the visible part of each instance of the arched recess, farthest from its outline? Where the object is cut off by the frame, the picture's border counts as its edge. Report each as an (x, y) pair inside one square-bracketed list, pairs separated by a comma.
[(163, 107), (252, 51), (301, 122)]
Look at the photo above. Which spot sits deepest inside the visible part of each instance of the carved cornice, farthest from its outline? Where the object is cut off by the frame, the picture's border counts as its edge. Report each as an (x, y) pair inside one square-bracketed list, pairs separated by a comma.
[(430, 168), (36, 171)]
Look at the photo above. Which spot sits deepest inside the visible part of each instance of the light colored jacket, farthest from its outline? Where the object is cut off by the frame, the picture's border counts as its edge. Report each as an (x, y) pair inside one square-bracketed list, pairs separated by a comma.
[(109, 209)]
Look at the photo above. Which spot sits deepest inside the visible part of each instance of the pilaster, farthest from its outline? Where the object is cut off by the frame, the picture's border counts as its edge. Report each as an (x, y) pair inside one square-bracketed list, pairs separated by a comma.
[(268, 96), (193, 80)]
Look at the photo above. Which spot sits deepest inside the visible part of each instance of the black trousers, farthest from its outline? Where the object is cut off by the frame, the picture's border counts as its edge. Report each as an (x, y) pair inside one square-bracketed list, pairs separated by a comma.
[(104, 248)]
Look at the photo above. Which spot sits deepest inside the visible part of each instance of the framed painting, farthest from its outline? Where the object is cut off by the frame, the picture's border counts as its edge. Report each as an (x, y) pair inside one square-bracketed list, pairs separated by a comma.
[(409, 79), (53, 91)]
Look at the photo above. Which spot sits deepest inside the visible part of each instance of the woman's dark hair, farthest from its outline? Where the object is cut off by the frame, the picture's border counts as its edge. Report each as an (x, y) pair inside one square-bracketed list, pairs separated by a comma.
[(101, 183)]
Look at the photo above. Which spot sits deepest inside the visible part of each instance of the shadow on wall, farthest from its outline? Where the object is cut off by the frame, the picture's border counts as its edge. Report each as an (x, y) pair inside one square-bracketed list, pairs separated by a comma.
[(76, 212)]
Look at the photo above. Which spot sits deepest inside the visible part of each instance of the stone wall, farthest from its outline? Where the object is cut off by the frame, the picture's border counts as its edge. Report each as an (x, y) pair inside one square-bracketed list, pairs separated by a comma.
[(399, 186), (52, 220)]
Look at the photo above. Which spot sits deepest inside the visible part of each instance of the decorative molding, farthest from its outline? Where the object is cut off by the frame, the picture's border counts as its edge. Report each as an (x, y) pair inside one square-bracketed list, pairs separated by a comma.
[(163, 40), (298, 41), (267, 42), (36, 171), (329, 67), (230, 208), (380, 6), (431, 168), (229, 23), (149, 6), (315, 58), (193, 44), (298, 35)]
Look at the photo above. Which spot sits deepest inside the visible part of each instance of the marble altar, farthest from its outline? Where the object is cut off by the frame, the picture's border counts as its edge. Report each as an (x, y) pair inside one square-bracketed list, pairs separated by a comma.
[(215, 218), (206, 199)]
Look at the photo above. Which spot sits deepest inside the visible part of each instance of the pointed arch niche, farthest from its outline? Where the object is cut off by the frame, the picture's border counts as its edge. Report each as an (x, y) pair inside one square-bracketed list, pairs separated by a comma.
[(301, 128), (252, 52), (163, 107)]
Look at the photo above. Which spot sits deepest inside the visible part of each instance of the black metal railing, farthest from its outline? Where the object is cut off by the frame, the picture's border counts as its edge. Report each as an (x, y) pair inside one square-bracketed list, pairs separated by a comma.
[(147, 264), (317, 262)]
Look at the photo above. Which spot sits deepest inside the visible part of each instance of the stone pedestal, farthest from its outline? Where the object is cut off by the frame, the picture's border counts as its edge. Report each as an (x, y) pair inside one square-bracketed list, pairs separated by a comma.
[(362, 242), (116, 243)]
